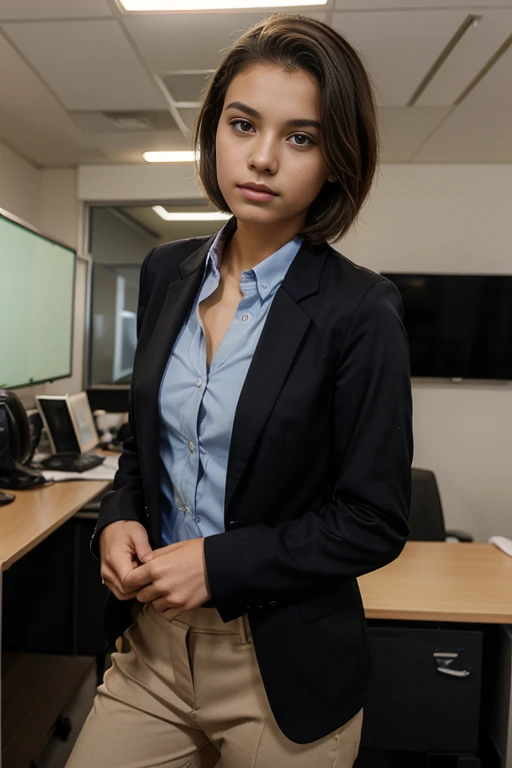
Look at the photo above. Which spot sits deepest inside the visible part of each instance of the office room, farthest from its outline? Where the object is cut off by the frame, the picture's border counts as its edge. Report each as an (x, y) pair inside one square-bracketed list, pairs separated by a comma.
[(300, 553)]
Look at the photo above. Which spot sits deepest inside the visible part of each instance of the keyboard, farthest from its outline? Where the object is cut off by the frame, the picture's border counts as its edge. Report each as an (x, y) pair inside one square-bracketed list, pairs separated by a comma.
[(73, 462)]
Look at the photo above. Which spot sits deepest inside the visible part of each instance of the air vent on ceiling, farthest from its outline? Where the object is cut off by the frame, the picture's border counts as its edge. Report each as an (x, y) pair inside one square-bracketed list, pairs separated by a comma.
[(142, 121), (118, 121)]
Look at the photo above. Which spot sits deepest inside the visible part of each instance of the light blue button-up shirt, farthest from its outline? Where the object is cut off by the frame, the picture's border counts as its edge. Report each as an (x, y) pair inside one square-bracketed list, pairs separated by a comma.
[(197, 404)]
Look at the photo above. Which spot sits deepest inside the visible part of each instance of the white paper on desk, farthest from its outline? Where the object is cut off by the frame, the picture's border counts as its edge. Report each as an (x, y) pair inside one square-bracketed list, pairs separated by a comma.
[(104, 471)]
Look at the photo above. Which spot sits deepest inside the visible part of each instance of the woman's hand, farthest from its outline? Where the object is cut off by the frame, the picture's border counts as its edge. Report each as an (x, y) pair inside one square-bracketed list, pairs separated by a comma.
[(173, 578), (123, 546)]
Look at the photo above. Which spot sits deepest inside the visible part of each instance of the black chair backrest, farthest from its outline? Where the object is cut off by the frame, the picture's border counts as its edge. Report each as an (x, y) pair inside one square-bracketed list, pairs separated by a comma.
[(426, 519)]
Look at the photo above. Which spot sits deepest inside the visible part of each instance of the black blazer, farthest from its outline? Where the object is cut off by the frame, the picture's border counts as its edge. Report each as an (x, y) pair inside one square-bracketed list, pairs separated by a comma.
[(318, 480)]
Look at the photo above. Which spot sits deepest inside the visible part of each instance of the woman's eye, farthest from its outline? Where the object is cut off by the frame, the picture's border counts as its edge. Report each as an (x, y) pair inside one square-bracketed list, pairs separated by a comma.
[(246, 122), (302, 136)]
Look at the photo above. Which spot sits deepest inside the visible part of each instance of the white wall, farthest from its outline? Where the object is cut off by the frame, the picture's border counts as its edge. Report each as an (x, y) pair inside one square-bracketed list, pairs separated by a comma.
[(47, 199), (20, 187), (450, 218)]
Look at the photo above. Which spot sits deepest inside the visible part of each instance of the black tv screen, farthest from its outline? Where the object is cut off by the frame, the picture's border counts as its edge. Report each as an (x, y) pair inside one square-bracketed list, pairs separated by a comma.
[(459, 326)]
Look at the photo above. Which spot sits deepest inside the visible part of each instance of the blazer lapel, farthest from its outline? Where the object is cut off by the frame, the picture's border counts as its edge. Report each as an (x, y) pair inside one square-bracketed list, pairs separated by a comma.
[(178, 302)]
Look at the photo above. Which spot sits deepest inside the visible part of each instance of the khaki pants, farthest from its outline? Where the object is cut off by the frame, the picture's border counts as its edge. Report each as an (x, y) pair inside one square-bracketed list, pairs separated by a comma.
[(188, 693)]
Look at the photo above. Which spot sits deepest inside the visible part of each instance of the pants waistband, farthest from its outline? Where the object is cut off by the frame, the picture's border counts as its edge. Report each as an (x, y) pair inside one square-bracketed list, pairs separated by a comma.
[(209, 621)]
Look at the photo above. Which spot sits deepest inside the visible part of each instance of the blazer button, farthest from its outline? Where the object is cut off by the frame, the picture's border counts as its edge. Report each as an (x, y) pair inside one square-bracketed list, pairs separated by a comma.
[(272, 604)]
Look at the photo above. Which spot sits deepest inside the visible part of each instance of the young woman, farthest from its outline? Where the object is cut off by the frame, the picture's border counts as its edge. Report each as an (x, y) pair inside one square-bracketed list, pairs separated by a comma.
[(271, 447)]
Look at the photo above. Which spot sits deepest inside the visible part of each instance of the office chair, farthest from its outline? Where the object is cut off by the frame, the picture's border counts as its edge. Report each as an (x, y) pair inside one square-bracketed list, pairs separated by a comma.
[(426, 518)]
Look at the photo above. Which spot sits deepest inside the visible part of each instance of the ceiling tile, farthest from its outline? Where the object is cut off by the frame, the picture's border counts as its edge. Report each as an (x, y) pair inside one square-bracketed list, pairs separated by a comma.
[(479, 129), (468, 58), (189, 115), (470, 137), (404, 129), (190, 40), (398, 47), (33, 122), (494, 89), (88, 64), (53, 9), (186, 86)]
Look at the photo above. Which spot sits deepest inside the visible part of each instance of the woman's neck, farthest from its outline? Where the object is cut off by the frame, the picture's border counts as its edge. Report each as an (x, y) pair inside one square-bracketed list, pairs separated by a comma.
[(250, 245)]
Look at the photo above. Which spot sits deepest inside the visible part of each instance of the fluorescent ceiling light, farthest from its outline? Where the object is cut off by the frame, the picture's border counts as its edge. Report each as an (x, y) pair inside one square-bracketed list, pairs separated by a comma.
[(211, 5), (174, 216), (169, 157)]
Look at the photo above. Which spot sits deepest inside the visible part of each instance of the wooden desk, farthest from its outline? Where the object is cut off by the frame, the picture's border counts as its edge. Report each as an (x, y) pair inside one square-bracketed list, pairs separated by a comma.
[(32, 517), (36, 513), (437, 581)]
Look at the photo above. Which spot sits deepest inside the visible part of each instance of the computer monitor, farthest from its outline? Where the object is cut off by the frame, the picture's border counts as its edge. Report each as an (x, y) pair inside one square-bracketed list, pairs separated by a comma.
[(69, 422), (37, 283)]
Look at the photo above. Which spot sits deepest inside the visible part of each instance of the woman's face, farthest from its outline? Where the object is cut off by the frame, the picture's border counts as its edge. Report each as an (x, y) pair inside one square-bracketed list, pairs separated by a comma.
[(256, 142)]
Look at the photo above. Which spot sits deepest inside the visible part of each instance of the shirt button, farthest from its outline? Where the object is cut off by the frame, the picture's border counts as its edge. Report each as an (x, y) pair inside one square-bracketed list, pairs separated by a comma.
[(191, 447), (198, 383), (264, 285), (198, 519), (244, 318)]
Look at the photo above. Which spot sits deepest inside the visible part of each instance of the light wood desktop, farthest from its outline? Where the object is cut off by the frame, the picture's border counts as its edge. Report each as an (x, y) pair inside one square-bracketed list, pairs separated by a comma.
[(36, 513), (438, 581)]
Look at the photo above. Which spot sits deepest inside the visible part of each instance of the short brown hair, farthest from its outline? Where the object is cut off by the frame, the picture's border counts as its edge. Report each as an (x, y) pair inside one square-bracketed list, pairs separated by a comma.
[(349, 137)]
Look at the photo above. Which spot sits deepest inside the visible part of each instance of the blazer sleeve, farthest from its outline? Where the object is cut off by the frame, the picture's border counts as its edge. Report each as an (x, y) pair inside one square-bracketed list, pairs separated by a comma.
[(365, 525), (126, 499)]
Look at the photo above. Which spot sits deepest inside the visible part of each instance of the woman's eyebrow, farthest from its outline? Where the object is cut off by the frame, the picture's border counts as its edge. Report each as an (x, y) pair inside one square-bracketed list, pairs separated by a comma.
[(297, 123)]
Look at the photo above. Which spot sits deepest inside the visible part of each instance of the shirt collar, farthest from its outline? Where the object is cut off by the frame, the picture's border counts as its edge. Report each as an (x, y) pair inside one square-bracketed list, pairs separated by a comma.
[(269, 273)]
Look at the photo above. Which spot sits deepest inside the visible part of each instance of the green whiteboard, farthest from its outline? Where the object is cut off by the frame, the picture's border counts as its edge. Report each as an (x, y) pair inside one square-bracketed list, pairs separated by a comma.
[(37, 277)]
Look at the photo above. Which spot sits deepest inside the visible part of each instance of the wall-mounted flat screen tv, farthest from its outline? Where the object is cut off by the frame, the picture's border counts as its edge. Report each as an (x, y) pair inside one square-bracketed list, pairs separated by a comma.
[(459, 326)]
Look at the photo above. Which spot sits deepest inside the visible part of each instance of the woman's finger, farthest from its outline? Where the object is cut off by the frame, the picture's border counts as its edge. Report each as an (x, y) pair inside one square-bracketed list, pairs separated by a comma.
[(113, 582), (162, 607)]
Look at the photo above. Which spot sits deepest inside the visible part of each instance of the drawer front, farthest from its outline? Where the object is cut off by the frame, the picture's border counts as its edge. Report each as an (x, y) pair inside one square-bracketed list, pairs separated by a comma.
[(426, 689)]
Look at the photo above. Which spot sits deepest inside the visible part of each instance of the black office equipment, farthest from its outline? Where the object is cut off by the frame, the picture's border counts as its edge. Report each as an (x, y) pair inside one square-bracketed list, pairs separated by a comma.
[(72, 432), (6, 498), (72, 462), (15, 445), (459, 326), (109, 398)]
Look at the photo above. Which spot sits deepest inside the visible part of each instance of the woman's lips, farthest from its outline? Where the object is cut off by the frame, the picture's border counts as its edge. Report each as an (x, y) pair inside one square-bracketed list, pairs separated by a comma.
[(253, 194)]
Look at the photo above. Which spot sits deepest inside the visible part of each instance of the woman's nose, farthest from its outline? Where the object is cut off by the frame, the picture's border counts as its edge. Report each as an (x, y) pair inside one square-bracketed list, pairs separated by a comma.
[(264, 157)]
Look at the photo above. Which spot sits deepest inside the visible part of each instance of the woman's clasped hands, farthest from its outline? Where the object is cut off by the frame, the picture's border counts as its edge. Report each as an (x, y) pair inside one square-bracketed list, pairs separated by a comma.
[(173, 578)]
